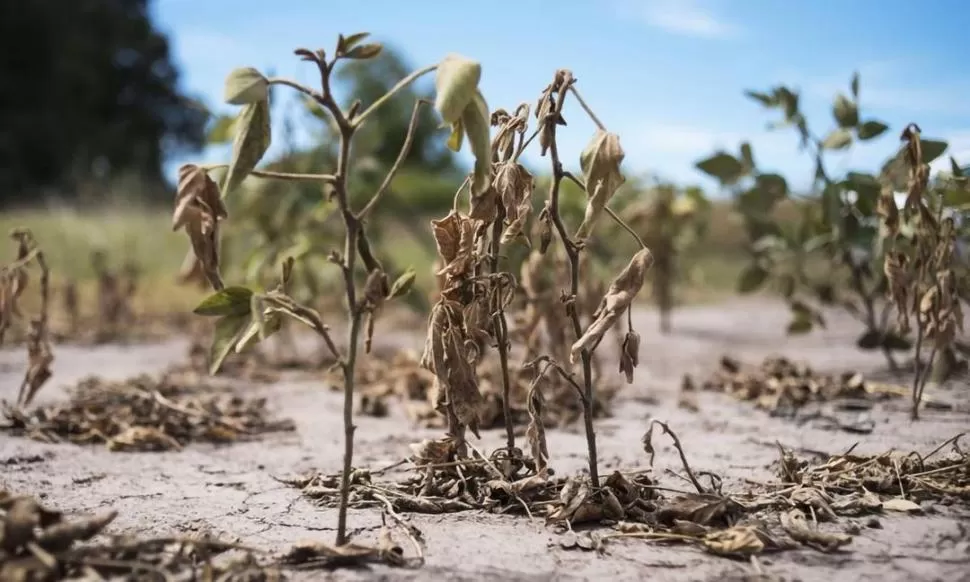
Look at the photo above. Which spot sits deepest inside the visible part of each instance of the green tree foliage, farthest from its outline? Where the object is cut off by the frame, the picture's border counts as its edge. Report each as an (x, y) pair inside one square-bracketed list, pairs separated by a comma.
[(86, 83)]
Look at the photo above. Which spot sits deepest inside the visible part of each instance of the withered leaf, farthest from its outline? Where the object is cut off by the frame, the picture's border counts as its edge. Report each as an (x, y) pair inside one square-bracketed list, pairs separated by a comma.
[(796, 526), (629, 354), (600, 162), (620, 295)]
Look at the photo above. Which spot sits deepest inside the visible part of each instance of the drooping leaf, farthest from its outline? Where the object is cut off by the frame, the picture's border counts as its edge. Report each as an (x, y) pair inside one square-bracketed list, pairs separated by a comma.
[(245, 86), (871, 129), (723, 166), (838, 139), (752, 278), (845, 111), (854, 85), (456, 85), (763, 98), (228, 330), (475, 122), (600, 162), (221, 130), (252, 140), (229, 301), (402, 284)]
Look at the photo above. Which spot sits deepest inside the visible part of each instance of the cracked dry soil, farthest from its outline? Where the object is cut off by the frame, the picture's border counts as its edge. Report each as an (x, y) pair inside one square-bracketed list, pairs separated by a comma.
[(230, 490)]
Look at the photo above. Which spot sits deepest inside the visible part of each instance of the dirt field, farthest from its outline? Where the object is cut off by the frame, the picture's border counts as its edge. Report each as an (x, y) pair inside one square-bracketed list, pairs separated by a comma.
[(231, 490)]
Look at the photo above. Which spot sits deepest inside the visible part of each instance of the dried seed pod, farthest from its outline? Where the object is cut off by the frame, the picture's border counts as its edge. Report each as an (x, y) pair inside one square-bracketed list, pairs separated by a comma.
[(630, 355)]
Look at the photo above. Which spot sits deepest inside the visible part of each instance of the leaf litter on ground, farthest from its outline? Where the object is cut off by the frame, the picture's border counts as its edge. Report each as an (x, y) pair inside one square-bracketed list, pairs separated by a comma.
[(818, 505), (794, 390), (41, 544), (146, 413)]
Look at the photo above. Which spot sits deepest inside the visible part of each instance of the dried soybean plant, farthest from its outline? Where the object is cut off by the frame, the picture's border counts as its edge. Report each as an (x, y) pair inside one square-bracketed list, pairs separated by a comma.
[(672, 220), (246, 316), (600, 163), (14, 279), (920, 264)]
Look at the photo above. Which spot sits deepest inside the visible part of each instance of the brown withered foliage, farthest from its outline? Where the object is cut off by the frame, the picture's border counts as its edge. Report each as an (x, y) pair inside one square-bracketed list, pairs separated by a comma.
[(39, 543), (199, 210), (14, 280), (146, 413), (793, 389), (921, 268), (848, 484)]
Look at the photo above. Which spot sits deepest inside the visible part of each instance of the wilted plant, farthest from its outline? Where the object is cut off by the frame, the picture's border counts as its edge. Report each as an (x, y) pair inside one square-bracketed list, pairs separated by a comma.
[(600, 164), (246, 316), (837, 226), (671, 220), (13, 282), (116, 292), (920, 266)]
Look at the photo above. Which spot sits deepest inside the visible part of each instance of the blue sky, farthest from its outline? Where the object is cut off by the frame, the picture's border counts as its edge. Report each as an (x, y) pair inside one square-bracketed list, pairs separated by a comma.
[(666, 75)]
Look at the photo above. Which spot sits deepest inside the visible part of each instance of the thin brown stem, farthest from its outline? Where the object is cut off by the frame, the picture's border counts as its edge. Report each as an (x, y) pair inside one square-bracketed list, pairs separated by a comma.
[(349, 262), (316, 96), (400, 85), (285, 176), (586, 108), (572, 254), (401, 156), (500, 324)]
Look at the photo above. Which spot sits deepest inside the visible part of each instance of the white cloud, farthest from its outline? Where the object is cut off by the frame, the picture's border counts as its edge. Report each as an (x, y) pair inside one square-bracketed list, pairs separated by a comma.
[(695, 18)]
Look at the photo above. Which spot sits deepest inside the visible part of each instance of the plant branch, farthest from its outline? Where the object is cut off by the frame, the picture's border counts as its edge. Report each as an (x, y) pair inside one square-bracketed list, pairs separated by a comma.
[(400, 85), (500, 324), (401, 156), (586, 108), (612, 213), (316, 96), (572, 253), (286, 176)]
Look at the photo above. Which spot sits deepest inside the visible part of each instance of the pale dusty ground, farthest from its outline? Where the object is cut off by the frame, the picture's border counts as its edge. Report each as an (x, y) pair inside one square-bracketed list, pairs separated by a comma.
[(231, 490)]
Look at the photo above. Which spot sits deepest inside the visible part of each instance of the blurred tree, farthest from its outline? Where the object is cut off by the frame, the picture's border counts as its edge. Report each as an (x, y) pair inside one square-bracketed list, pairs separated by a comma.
[(88, 90)]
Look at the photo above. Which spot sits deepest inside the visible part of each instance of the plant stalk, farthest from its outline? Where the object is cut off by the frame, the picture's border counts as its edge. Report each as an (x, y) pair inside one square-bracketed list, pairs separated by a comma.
[(500, 324), (572, 253)]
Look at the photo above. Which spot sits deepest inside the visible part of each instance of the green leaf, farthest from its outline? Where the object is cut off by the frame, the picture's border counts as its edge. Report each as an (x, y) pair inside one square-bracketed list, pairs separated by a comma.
[(345, 44), (221, 130), (252, 140), (845, 111), (230, 301), (402, 284), (456, 137), (456, 85), (873, 340), (764, 99), (245, 86), (855, 85), (475, 121), (867, 189), (723, 166), (789, 100), (227, 332), (955, 168), (775, 185), (839, 139), (364, 51), (752, 278), (871, 129), (747, 157), (272, 323)]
